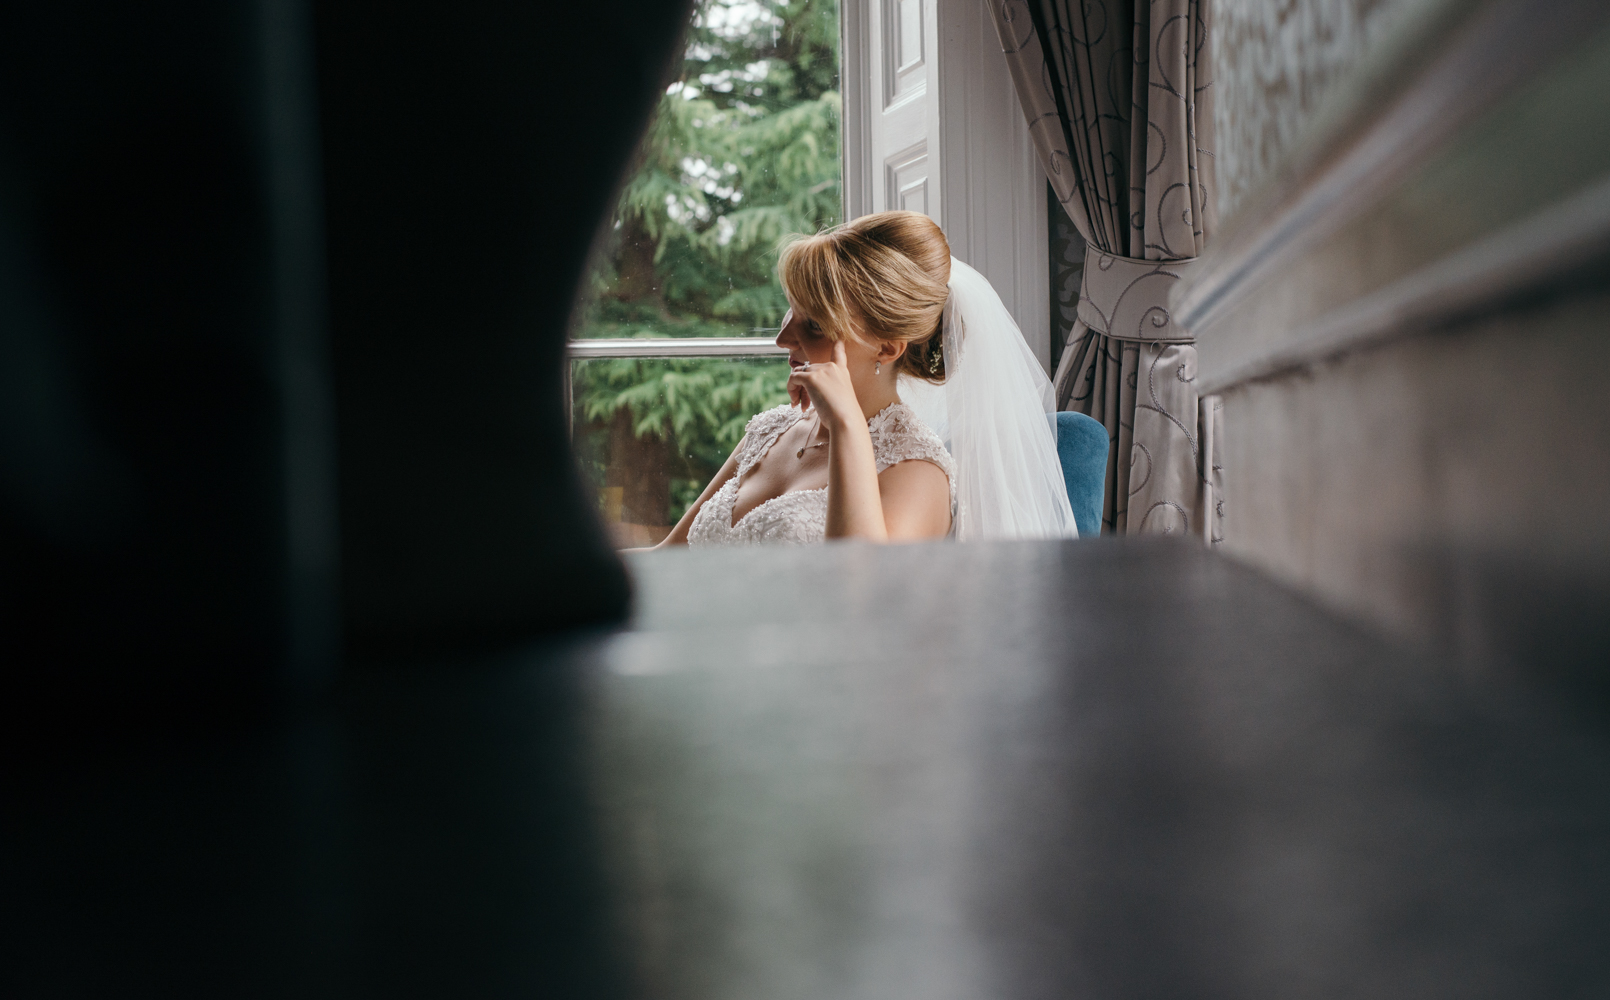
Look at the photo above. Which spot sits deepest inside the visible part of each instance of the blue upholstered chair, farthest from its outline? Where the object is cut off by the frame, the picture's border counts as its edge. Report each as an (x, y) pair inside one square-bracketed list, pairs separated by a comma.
[(1082, 447)]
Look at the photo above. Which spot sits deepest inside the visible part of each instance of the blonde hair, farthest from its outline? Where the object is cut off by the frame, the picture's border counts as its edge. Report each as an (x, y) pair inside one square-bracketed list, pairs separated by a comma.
[(885, 274)]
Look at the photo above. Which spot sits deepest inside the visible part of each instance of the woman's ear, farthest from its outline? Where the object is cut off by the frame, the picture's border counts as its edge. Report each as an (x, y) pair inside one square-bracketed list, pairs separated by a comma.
[(891, 350)]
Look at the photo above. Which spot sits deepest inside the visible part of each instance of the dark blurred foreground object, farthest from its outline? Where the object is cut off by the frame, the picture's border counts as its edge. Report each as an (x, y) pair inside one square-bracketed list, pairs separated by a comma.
[(1194, 784), (269, 270)]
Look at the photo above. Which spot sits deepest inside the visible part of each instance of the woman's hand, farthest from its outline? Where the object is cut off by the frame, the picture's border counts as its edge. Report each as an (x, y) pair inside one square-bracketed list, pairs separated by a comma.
[(827, 387)]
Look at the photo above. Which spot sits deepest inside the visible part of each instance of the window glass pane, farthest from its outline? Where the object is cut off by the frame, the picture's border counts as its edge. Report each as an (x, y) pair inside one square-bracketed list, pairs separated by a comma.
[(743, 151), (651, 432)]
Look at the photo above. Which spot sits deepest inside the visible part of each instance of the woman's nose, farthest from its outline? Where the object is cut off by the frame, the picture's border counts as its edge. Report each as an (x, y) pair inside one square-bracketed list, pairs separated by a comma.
[(785, 336)]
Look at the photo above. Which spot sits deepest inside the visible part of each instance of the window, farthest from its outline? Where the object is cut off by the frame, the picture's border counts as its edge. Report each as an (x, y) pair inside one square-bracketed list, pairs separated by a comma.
[(674, 351)]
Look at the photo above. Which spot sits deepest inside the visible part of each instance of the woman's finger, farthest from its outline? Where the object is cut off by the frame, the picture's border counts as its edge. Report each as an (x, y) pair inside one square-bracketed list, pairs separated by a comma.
[(840, 356)]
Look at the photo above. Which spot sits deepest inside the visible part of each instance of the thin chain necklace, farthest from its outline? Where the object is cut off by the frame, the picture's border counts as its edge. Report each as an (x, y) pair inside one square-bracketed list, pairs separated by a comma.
[(819, 444)]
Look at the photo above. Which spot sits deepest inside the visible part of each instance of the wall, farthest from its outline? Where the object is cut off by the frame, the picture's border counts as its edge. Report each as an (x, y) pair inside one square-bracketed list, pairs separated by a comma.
[(1274, 62), (1404, 318), (1427, 485)]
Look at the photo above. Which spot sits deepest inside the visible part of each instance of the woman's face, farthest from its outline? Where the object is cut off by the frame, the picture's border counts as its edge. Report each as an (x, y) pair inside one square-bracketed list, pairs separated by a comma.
[(804, 340)]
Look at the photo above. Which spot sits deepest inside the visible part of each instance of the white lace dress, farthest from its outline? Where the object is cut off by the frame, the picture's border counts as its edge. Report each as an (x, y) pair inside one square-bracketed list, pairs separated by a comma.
[(800, 517)]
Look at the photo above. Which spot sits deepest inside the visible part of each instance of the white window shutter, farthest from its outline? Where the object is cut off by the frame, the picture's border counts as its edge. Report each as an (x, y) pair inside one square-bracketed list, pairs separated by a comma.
[(933, 124)]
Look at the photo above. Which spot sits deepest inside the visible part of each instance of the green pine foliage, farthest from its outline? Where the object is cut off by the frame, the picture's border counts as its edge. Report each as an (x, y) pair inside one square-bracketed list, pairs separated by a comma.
[(743, 151)]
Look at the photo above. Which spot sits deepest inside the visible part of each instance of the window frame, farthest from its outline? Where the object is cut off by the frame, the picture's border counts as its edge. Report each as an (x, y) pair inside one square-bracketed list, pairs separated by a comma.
[(656, 347), (984, 161)]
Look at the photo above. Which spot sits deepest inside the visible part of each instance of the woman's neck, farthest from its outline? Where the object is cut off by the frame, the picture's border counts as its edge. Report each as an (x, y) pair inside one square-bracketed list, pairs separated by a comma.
[(878, 402)]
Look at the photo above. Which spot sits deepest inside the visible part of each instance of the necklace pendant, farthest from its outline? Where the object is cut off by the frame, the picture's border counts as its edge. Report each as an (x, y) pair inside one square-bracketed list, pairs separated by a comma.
[(800, 453)]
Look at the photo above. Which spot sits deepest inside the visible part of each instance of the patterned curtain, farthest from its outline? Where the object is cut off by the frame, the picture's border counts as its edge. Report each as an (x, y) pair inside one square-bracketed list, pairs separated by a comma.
[(1119, 102)]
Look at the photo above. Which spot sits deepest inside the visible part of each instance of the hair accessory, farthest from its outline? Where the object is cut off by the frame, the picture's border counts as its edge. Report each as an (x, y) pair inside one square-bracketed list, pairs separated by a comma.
[(936, 356)]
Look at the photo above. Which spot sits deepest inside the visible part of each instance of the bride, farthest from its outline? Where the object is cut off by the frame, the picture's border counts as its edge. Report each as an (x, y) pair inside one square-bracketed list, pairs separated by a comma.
[(917, 411)]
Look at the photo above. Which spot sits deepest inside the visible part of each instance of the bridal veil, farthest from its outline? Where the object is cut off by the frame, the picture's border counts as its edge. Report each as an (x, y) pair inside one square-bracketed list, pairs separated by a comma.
[(996, 414)]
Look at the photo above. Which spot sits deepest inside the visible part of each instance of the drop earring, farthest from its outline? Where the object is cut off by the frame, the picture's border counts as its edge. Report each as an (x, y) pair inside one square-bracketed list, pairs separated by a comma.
[(877, 369)]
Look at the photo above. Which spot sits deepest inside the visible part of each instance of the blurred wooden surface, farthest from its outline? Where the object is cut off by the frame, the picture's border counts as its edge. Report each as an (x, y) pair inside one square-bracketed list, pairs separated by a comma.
[(1024, 770)]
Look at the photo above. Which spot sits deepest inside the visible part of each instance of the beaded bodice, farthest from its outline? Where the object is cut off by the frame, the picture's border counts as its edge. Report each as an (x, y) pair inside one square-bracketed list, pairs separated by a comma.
[(800, 517)]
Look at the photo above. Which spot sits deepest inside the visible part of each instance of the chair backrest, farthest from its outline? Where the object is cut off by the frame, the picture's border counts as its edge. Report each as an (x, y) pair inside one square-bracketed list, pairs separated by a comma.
[(1082, 447)]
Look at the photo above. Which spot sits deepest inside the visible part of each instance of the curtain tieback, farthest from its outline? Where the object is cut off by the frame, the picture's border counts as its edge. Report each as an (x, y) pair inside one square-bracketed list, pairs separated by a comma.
[(1127, 299)]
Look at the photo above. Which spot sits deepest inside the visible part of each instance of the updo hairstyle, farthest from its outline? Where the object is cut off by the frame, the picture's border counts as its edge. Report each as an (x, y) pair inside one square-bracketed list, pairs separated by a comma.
[(885, 273)]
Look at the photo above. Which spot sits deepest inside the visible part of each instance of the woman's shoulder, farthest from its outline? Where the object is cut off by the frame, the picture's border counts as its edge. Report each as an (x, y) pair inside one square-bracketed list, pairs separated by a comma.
[(898, 435), (900, 420)]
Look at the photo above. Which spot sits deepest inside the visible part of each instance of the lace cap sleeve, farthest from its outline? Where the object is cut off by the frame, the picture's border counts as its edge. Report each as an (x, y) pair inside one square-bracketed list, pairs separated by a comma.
[(898, 436), (761, 431)]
